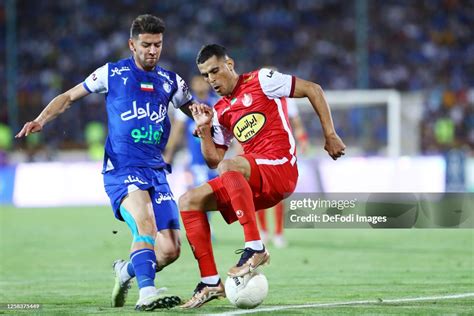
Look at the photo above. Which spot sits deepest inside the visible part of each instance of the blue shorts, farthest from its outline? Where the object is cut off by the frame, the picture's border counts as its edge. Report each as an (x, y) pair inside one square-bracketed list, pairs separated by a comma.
[(119, 183)]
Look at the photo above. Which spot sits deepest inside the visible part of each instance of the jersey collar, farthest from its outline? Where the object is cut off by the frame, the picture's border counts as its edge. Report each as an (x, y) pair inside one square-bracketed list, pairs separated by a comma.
[(135, 67), (239, 82)]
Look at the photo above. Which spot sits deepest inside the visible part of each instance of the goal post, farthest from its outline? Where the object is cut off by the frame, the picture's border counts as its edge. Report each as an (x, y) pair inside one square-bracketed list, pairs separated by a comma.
[(348, 99)]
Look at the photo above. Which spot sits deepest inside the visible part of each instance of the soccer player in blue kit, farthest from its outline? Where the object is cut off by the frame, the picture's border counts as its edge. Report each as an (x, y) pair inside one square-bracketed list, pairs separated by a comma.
[(137, 93)]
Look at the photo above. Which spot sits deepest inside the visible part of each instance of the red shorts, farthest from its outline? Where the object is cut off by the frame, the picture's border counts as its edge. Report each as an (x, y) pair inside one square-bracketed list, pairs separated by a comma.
[(270, 184)]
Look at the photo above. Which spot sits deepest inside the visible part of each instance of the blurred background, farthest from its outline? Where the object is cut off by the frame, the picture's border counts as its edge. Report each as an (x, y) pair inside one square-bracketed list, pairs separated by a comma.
[(399, 76)]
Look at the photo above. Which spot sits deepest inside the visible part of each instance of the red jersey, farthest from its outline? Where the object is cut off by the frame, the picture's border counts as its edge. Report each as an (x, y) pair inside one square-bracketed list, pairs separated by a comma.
[(256, 115)]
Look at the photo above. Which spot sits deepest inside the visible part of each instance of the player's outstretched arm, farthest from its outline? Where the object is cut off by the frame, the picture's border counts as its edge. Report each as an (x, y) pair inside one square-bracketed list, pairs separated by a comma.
[(202, 115), (334, 145), (57, 106)]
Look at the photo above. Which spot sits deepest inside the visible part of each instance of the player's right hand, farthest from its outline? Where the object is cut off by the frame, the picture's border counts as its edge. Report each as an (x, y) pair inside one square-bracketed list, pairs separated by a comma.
[(28, 128), (334, 146)]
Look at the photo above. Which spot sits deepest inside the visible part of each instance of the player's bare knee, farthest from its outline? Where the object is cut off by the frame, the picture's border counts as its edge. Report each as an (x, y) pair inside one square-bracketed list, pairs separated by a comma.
[(231, 165), (184, 201), (167, 255), (227, 165), (189, 201), (171, 254)]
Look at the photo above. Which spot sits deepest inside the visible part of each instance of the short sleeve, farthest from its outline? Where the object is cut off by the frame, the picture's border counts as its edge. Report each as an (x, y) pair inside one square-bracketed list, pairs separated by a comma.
[(221, 135), (180, 116), (275, 84), (292, 108), (98, 81), (182, 95)]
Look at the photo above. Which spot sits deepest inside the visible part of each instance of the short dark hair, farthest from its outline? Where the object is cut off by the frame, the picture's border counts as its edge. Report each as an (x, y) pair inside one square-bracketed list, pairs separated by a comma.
[(147, 23), (207, 51)]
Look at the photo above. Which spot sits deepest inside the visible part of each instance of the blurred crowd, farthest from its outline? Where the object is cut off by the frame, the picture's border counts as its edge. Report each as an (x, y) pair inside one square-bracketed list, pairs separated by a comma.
[(424, 45), (450, 121)]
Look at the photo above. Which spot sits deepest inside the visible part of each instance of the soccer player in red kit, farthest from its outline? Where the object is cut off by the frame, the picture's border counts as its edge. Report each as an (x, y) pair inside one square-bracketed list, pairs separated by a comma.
[(252, 110)]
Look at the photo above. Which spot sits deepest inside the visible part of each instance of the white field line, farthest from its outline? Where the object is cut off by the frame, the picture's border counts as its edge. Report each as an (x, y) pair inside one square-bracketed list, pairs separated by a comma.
[(349, 303)]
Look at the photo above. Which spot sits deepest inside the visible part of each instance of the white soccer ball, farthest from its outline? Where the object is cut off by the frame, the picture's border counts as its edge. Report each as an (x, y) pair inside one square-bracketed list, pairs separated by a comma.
[(248, 291)]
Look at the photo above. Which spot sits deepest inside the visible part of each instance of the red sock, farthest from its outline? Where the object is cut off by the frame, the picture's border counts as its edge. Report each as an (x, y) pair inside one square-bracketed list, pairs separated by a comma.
[(262, 220), (279, 218), (199, 238), (241, 198)]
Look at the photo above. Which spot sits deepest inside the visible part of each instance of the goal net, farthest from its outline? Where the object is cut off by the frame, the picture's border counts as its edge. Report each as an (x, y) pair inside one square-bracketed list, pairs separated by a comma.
[(369, 121)]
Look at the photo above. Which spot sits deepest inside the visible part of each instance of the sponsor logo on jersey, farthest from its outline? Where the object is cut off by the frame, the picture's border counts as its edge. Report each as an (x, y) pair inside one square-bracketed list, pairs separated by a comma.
[(117, 71), (239, 213), (185, 89), (147, 135), (248, 126), (139, 113), (247, 100), (165, 75)]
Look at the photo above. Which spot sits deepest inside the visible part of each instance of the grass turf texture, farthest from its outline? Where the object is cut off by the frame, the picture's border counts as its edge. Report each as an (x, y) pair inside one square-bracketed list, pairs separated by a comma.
[(61, 258)]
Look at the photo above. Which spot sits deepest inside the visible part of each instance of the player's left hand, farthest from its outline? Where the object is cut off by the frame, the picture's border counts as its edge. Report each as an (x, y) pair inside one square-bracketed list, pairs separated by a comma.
[(28, 128), (202, 114), (334, 146)]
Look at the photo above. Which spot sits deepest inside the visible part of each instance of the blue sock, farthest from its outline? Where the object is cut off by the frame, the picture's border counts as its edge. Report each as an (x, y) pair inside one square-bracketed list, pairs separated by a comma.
[(130, 269), (144, 264)]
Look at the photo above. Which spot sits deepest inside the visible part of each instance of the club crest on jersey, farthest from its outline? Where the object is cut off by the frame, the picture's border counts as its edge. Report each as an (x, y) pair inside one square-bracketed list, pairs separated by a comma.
[(248, 126), (247, 100), (167, 87)]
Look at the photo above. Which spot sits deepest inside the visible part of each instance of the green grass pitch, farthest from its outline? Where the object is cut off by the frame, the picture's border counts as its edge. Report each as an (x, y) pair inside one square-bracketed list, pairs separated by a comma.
[(61, 258)]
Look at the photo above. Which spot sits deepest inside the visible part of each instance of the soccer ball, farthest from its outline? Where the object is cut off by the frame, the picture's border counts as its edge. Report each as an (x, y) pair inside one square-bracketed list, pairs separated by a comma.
[(247, 291)]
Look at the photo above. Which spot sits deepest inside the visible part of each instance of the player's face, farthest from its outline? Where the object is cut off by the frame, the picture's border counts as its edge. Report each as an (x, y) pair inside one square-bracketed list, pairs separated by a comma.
[(146, 49), (220, 74)]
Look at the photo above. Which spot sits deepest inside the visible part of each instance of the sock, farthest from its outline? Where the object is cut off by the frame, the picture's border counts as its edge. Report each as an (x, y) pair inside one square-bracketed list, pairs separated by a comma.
[(127, 272), (199, 238), (147, 291), (254, 244), (241, 198), (214, 279), (144, 264), (279, 218), (262, 220)]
